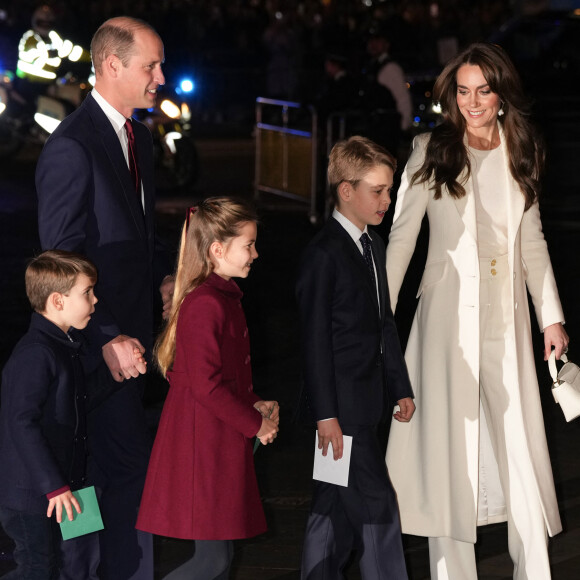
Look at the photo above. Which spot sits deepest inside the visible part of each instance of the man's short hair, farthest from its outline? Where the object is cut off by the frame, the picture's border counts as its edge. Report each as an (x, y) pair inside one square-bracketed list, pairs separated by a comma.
[(116, 36), (55, 271), (352, 159)]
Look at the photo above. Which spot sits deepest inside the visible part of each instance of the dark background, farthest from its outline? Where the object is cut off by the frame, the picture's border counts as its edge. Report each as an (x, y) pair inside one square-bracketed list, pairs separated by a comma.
[(221, 44)]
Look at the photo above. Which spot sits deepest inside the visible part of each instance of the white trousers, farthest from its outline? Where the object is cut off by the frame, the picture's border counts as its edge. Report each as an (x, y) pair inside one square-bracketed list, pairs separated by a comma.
[(505, 469)]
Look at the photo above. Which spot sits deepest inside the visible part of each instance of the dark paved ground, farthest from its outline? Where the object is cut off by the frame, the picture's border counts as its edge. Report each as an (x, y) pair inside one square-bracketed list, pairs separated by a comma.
[(284, 469)]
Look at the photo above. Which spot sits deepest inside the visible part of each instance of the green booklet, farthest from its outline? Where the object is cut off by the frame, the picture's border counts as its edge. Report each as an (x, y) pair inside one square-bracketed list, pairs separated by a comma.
[(89, 520)]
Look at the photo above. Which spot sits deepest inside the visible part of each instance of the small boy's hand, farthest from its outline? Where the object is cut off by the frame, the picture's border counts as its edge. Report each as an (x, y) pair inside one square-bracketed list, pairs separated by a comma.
[(406, 410), (329, 431), (267, 432), (65, 500), (269, 409)]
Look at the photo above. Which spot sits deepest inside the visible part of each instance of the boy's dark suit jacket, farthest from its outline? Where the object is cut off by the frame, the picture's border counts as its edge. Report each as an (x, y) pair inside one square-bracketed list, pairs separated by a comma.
[(350, 352), (43, 422)]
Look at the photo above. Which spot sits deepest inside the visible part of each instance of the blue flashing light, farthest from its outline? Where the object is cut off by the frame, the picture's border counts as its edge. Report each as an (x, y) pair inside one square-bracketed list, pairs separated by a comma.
[(187, 86), (150, 109), (417, 119)]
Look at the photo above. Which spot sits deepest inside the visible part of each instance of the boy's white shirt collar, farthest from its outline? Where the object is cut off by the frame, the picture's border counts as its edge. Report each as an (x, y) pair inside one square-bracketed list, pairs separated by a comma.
[(353, 231)]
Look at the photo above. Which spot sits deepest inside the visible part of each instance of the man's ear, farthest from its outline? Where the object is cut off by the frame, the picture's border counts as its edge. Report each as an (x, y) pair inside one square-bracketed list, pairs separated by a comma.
[(112, 65)]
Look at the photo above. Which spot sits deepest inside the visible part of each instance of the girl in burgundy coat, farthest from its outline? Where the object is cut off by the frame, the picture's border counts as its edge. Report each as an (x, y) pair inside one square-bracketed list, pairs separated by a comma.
[(201, 484)]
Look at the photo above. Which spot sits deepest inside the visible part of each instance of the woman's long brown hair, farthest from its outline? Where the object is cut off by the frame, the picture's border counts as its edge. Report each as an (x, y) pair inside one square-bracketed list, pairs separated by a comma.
[(446, 155)]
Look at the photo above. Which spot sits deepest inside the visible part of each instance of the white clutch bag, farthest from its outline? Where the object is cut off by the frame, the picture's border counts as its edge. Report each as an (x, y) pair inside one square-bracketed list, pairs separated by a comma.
[(566, 386)]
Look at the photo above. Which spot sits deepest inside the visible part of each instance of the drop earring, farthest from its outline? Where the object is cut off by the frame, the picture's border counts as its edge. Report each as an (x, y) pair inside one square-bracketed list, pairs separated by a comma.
[(501, 111)]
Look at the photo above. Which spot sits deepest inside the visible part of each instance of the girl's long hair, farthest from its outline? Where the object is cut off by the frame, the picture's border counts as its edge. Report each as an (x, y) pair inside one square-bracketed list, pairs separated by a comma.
[(216, 219), (446, 155)]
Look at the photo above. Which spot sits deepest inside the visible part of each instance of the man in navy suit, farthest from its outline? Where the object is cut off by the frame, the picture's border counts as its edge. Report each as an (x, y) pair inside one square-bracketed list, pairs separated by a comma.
[(96, 197), (354, 371)]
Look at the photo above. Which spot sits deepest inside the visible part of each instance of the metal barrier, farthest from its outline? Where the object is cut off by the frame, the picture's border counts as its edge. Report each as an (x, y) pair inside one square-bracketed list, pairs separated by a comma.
[(287, 152)]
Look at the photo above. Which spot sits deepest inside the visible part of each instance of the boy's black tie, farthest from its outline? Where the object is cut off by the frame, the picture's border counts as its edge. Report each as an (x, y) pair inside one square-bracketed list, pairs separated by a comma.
[(367, 254), (133, 165)]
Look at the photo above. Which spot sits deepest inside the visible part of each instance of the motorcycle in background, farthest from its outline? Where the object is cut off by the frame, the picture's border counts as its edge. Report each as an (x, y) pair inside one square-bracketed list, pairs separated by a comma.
[(176, 158)]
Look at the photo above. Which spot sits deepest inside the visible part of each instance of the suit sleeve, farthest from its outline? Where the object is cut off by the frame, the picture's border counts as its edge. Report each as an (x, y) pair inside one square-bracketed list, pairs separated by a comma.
[(27, 380), (65, 189), (314, 292), (200, 332)]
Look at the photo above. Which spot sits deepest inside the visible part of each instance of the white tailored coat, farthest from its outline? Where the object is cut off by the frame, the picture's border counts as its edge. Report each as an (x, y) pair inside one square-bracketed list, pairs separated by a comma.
[(433, 459)]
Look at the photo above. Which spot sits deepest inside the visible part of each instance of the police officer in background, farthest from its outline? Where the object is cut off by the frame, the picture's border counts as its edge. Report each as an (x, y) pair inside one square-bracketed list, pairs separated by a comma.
[(389, 74), (41, 51)]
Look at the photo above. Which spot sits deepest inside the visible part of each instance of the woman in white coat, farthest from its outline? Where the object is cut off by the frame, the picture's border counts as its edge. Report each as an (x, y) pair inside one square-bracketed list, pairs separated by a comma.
[(475, 452)]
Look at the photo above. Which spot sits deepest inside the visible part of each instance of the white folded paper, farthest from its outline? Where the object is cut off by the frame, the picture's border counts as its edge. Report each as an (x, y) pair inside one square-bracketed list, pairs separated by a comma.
[(327, 469)]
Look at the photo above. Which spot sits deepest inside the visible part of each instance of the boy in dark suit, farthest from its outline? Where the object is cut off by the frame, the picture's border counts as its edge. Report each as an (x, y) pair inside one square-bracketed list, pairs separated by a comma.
[(354, 371), (43, 443)]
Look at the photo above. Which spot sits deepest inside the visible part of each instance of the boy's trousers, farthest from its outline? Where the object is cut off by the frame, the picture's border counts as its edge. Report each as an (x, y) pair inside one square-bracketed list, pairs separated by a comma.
[(362, 516)]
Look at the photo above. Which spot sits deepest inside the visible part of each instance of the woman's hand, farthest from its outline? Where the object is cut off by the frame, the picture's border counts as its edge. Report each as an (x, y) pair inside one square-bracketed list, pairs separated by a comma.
[(555, 336)]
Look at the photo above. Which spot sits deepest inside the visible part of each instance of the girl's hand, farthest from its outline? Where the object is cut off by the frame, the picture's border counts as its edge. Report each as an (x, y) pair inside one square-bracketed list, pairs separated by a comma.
[(555, 336), (65, 500), (268, 431)]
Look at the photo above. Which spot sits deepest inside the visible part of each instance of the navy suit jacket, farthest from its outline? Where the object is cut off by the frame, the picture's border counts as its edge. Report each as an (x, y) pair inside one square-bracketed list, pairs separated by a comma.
[(87, 203), (353, 364), (43, 441)]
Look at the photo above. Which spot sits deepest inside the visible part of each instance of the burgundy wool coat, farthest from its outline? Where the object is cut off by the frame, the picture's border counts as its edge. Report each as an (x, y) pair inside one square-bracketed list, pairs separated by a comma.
[(201, 483)]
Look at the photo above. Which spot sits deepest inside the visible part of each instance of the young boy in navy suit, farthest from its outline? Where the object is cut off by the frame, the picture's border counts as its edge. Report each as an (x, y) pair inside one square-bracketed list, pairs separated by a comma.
[(354, 371), (43, 443)]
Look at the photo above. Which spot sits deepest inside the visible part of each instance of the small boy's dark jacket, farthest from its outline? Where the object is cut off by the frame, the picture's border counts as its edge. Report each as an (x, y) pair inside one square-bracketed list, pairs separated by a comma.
[(42, 418), (354, 368)]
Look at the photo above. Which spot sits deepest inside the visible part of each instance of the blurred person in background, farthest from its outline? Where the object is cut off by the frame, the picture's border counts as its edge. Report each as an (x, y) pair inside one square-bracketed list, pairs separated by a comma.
[(41, 52)]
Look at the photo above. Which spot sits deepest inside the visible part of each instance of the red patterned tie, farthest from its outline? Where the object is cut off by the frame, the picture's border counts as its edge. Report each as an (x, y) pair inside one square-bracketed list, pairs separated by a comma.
[(133, 165)]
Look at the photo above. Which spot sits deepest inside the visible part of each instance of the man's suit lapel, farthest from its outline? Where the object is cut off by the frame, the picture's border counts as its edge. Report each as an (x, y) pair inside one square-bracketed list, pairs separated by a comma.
[(352, 251), (119, 166)]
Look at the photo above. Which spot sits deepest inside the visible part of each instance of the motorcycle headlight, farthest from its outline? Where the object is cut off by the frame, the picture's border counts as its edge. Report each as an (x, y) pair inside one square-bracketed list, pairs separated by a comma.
[(3, 99), (170, 109), (185, 112)]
